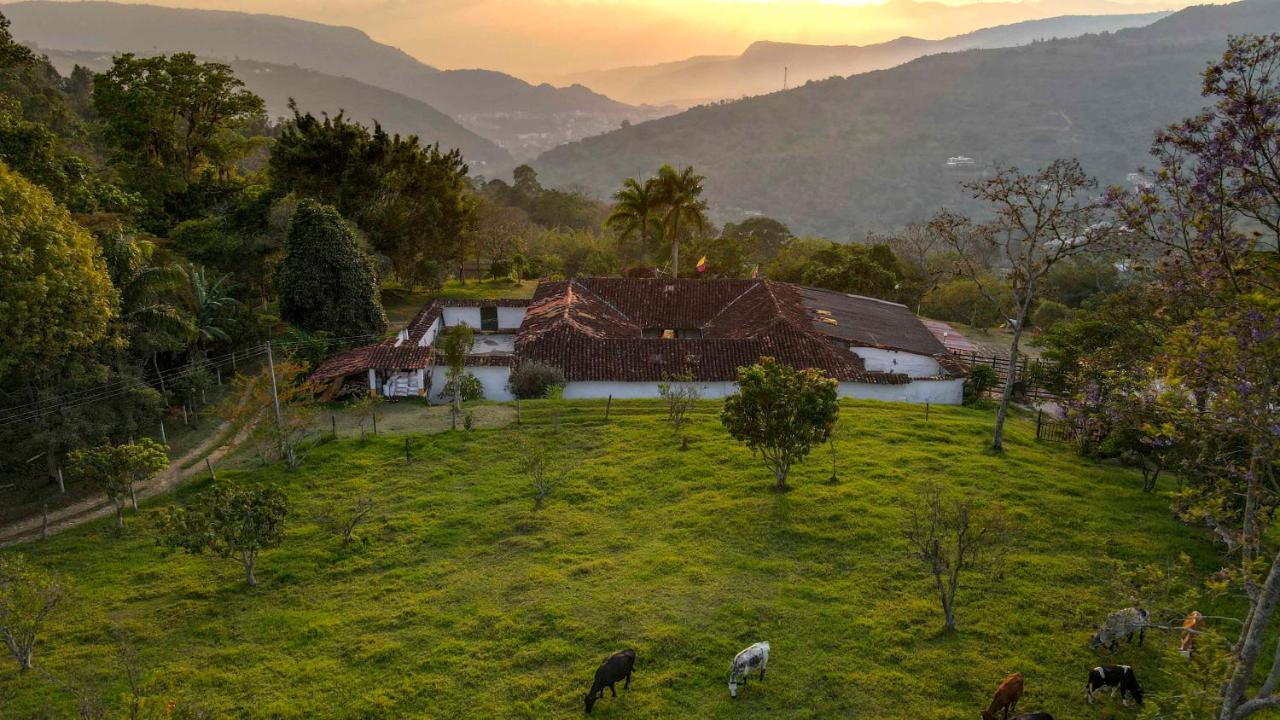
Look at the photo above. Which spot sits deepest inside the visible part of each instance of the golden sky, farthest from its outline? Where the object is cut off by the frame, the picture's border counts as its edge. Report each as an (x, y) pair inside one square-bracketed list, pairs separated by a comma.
[(540, 39)]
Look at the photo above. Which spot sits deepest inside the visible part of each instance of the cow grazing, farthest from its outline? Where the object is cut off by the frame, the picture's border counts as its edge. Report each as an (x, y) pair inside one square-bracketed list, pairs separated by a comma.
[(1120, 624), (754, 657), (1006, 697), (1034, 716), (1119, 678), (1192, 626), (616, 667)]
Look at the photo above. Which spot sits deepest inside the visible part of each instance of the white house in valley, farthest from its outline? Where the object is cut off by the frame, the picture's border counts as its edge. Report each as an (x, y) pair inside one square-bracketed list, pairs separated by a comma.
[(621, 337)]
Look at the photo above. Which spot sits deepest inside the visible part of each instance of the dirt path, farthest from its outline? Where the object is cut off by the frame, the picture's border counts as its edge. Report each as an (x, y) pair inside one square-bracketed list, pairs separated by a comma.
[(98, 507)]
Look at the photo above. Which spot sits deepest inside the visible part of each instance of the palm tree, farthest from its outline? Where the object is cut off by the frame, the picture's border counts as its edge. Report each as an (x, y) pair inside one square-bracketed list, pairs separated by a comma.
[(212, 308), (149, 296), (636, 204), (680, 193)]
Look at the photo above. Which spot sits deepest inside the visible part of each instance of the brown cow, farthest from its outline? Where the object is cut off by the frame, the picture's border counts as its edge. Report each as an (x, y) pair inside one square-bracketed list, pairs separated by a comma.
[(1192, 626), (1006, 698)]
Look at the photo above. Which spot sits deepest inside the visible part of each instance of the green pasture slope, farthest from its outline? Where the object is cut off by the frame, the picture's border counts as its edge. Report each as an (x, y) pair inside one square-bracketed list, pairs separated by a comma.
[(462, 601)]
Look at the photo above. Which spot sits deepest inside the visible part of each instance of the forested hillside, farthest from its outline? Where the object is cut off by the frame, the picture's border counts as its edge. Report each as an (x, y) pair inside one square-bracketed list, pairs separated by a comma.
[(521, 117), (318, 93), (761, 68), (844, 156)]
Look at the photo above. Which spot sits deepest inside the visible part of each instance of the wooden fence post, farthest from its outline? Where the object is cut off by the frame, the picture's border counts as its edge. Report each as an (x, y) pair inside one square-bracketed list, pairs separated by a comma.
[(44, 522), (607, 407), (517, 411), (926, 411), (1039, 422), (212, 475), (333, 419), (62, 485), (407, 456)]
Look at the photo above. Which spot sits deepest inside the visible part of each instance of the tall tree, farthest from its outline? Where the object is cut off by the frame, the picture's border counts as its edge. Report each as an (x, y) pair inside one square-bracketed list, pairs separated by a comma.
[(115, 470), (680, 196), (1040, 219), (414, 202), (211, 308), (164, 114), (327, 282), (55, 295), (636, 204)]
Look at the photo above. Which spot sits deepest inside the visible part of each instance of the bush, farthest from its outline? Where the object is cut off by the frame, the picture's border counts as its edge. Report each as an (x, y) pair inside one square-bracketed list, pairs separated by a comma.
[(980, 380), (500, 269), (532, 380), (469, 387), (1050, 313)]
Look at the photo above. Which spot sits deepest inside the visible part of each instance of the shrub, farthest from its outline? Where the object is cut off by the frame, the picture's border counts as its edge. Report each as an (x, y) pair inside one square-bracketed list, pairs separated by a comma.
[(500, 269), (470, 388), (1050, 313), (980, 380), (531, 380)]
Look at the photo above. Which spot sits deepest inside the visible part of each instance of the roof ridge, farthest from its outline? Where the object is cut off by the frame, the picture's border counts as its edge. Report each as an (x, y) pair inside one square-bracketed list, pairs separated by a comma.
[(612, 307), (730, 304)]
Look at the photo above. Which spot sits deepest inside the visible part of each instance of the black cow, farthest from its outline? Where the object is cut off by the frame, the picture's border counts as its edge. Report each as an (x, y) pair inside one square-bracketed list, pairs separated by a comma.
[(1119, 678), (1034, 716), (614, 668)]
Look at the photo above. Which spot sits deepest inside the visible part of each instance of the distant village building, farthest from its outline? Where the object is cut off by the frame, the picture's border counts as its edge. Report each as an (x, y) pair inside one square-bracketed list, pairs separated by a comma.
[(959, 160), (1139, 181), (621, 337)]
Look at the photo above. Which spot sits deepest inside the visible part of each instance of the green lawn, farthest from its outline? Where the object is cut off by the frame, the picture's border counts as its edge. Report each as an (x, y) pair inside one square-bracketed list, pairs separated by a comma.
[(464, 602)]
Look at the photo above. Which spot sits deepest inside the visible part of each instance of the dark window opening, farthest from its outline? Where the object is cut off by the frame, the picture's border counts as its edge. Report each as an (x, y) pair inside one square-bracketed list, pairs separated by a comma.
[(669, 334), (488, 318)]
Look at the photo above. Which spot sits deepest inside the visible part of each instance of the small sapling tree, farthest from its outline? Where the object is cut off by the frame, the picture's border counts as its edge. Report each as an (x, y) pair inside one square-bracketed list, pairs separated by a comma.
[(781, 413), (953, 536), (28, 595), (455, 346), (342, 518), (230, 522), (365, 410), (679, 392), (115, 470), (538, 465)]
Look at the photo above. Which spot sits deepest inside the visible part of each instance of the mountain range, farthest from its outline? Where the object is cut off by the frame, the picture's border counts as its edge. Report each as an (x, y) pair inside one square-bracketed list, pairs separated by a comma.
[(765, 66), (847, 155), (524, 119)]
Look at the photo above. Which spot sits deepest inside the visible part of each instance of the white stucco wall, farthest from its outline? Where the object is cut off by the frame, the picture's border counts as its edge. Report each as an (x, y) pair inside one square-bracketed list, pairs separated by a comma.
[(895, 361), (938, 392), (429, 336), (492, 379), (637, 390), (510, 317), (459, 315)]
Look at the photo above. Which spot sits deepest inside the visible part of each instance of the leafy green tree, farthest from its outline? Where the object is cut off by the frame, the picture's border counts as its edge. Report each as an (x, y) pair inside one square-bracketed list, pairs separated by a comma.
[(12, 53), (763, 237), (680, 197), (326, 281), (634, 212), (781, 413), (168, 119), (228, 521), (55, 295), (858, 269), (150, 302), (414, 202), (115, 470), (28, 594), (455, 345)]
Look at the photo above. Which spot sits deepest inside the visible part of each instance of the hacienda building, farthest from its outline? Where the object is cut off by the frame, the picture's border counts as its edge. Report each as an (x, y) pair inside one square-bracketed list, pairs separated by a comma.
[(621, 337)]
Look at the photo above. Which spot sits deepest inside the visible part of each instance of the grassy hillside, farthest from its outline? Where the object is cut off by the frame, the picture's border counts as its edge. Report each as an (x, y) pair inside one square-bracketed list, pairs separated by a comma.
[(463, 601), (869, 152)]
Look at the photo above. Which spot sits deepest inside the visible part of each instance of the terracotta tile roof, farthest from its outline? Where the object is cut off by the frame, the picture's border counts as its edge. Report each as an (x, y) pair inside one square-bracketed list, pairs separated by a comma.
[(592, 329)]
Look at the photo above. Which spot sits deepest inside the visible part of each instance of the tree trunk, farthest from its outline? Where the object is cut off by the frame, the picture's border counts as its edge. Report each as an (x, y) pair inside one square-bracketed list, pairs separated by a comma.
[(675, 250), (249, 561), (1251, 644), (133, 497), (780, 472), (119, 517), (997, 442)]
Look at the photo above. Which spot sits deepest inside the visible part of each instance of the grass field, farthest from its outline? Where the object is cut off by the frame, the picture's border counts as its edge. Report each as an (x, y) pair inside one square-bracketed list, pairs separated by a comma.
[(463, 601)]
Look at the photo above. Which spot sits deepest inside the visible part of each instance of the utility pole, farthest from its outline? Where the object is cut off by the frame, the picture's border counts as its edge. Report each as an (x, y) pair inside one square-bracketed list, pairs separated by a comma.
[(275, 396), (784, 77)]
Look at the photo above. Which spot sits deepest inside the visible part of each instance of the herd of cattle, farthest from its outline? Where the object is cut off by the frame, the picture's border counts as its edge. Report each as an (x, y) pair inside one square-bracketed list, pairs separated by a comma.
[(1122, 624)]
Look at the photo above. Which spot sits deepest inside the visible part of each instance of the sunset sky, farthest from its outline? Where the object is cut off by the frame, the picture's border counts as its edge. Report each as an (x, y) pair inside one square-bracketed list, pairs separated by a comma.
[(542, 39)]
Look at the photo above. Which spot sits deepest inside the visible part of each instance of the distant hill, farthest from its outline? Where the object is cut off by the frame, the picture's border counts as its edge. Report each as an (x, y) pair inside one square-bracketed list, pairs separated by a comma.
[(844, 156), (317, 93), (760, 69), (523, 118)]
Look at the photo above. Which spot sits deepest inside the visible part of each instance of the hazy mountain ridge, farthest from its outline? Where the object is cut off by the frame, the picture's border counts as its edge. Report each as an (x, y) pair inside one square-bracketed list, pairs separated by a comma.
[(759, 69), (848, 155), (525, 119), (317, 92)]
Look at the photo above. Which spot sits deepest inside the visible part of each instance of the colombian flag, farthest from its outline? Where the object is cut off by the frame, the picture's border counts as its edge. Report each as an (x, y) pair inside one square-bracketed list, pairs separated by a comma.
[(702, 264)]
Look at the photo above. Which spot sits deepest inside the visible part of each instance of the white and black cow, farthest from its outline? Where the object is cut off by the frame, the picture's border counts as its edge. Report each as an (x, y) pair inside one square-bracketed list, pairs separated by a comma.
[(755, 657), (1119, 678), (1121, 624)]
